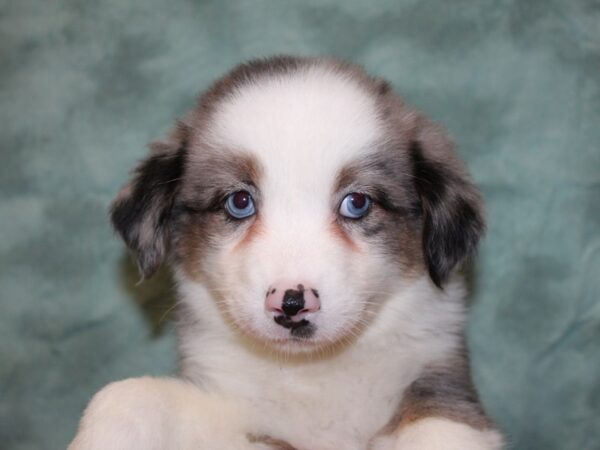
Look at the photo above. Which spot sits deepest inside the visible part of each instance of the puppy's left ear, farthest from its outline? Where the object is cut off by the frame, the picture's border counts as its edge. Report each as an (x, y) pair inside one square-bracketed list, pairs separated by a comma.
[(451, 206), (142, 211)]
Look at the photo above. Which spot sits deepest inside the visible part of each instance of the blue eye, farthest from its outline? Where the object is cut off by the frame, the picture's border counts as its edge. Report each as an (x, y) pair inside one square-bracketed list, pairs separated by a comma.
[(355, 205), (240, 205)]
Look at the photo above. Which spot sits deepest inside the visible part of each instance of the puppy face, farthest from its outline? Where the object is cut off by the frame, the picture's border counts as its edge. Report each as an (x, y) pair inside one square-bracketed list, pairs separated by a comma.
[(302, 194)]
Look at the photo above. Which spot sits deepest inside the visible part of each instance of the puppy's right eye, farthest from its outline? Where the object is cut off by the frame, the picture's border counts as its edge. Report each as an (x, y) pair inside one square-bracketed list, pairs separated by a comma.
[(240, 205)]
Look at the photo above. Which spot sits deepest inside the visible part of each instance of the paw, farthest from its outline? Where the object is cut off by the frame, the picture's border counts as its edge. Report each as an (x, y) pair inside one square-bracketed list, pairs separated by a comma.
[(123, 415), (160, 413), (439, 434)]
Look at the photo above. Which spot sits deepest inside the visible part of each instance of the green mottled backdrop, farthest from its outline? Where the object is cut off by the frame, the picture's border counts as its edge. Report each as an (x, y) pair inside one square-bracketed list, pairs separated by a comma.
[(85, 84)]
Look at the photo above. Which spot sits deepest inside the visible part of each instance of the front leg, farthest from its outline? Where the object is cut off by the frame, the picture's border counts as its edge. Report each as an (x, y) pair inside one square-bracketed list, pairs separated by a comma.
[(160, 413), (436, 433), (440, 411)]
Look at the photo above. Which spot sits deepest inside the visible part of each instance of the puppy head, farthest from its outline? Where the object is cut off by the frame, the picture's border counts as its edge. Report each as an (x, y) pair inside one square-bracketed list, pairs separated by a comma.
[(301, 193)]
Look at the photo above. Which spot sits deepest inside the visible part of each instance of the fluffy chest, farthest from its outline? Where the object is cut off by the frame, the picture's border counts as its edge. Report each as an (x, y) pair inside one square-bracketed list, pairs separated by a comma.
[(325, 408), (336, 402)]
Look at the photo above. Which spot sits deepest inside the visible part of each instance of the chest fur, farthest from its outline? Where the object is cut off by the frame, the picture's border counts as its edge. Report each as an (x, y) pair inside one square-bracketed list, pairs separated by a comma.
[(343, 399)]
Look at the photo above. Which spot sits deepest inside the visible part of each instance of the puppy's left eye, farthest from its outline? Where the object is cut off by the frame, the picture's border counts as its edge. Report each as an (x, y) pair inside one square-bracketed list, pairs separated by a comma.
[(240, 205), (355, 205)]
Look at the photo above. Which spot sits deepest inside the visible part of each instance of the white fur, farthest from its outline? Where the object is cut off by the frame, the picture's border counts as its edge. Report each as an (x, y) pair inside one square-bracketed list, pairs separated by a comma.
[(150, 413), (439, 434), (375, 332), (302, 129)]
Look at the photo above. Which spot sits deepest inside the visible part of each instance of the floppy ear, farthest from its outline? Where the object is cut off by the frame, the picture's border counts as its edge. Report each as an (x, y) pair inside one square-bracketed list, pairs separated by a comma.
[(452, 211), (142, 210)]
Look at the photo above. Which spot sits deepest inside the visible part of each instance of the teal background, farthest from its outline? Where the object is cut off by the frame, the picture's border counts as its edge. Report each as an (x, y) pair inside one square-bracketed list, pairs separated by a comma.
[(85, 85)]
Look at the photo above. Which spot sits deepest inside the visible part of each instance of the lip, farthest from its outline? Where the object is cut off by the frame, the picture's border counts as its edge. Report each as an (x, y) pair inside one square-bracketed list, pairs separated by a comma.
[(288, 322), (302, 338), (300, 329), (295, 341)]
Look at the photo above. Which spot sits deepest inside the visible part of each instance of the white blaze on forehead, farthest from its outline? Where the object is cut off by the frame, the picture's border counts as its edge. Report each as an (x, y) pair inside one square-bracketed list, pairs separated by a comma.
[(303, 127)]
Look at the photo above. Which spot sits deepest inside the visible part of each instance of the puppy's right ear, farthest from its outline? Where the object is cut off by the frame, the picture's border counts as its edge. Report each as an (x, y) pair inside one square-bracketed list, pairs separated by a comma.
[(142, 211)]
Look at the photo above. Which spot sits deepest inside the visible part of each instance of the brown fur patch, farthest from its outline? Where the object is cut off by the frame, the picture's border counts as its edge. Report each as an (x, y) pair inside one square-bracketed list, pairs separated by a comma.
[(342, 235), (203, 222), (252, 231), (393, 224)]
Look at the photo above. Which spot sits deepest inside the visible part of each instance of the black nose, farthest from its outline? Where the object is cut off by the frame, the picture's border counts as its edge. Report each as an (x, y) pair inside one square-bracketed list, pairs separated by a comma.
[(293, 302)]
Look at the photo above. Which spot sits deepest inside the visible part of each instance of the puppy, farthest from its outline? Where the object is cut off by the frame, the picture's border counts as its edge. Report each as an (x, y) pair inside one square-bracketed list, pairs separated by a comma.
[(313, 223)]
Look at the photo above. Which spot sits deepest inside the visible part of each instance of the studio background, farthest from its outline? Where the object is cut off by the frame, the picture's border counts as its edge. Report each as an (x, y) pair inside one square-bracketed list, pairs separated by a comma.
[(84, 85)]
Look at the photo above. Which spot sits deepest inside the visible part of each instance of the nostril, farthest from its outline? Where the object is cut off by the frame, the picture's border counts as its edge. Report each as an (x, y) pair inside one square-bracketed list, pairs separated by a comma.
[(273, 305)]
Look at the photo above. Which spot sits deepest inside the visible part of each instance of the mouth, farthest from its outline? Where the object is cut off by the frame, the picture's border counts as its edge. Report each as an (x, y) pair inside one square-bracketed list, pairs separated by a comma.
[(301, 329)]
